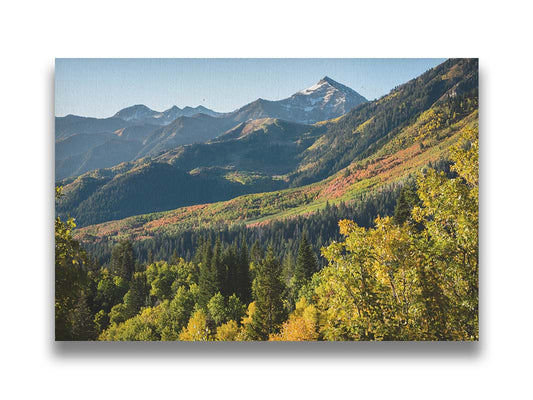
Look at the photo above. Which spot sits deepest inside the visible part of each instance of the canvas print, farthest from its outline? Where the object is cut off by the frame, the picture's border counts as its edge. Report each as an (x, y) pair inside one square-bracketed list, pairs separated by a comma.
[(266, 200)]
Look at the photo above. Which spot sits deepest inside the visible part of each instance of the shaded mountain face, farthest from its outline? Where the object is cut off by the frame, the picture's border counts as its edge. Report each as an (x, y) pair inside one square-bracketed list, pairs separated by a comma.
[(265, 147), (79, 153), (184, 130), (84, 143), (73, 124), (325, 100)]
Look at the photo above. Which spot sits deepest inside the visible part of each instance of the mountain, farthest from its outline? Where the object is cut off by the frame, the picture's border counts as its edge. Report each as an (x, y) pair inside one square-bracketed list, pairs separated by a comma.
[(246, 159), (112, 152), (79, 153), (84, 143), (409, 127), (264, 147), (156, 132), (184, 130), (141, 114), (73, 124), (325, 100)]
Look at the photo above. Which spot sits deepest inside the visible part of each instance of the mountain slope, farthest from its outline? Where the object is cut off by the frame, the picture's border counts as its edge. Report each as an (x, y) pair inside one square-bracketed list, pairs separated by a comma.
[(112, 152), (425, 141), (73, 124), (266, 146), (358, 132), (80, 144), (79, 153), (229, 166), (184, 130)]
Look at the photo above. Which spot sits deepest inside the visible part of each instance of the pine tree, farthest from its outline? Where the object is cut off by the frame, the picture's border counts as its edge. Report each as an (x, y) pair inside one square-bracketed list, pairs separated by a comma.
[(230, 265), (83, 327), (175, 259), (306, 266), (207, 280), (257, 252), (407, 199), (123, 260), (268, 291), (218, 267), (243, 273), (137, 296)]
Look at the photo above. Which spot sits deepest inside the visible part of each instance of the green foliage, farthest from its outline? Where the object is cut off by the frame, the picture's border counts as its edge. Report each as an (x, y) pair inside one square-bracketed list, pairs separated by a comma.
[(216, 308), (143, 327), (161, 276), (267, 290), (137, 296), (179, 312), (122, 260), (110, 289), (101, 321), (235, 309), (306, 266), (407, 199), (208, 279), (83, 326), (70, 259), (118, 314)]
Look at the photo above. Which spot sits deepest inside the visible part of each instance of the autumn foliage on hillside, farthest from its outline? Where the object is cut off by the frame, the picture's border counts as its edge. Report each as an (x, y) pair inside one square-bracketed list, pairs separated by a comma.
[(411, 277)]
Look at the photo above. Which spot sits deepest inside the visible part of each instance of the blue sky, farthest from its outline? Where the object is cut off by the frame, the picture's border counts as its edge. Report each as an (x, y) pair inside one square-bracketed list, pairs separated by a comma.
[(101, 87)]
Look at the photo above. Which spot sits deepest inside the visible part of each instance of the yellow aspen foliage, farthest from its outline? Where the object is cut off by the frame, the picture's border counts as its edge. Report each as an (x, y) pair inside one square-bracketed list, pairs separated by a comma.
[(302, 324), (227, 332), (196, 329), (246, 331)]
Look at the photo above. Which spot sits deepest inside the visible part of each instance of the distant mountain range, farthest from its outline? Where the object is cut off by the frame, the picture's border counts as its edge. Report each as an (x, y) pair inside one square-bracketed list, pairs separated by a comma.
[(202, 159), (84, 144), (144, 115)]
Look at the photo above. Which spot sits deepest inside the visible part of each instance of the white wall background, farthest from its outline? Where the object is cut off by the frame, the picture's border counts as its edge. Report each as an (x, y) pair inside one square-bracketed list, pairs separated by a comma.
[(33, 33)]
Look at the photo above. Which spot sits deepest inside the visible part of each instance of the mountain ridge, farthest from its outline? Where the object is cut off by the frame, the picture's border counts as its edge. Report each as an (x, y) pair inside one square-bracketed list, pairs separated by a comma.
[(161, 131)]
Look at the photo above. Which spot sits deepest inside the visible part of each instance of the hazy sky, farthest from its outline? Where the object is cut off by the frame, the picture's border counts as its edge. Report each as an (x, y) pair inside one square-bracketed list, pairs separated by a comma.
[(101, 87)]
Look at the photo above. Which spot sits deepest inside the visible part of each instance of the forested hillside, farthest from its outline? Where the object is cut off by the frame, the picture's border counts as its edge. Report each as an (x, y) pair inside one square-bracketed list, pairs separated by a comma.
[(411, 277)]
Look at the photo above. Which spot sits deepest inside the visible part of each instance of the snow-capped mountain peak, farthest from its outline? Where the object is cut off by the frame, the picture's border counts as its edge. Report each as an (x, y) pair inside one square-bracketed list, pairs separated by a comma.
[(324, 100), (316, 87)]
